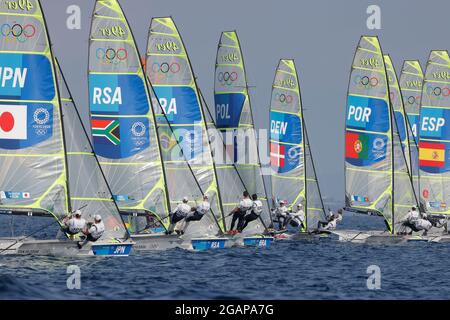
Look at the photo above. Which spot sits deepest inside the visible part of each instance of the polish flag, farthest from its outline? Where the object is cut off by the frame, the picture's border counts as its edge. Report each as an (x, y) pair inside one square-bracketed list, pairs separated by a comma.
[(13, 122)]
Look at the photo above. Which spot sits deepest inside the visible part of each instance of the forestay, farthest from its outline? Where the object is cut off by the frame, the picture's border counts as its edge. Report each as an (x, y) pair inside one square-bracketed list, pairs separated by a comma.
[(434, 136), (234, 119), (293, 173), (182, 130), (122, 119)]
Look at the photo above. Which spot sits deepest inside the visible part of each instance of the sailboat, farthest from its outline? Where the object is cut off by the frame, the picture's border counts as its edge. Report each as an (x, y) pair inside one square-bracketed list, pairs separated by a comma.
[(378, 181), (434, 137), (188, 163), (233, 115), (232, 185), (48, 168), (294, 176), (411, 80), (125, 130)]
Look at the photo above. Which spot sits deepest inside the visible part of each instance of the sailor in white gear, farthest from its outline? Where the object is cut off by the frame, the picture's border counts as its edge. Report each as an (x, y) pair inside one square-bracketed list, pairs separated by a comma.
[(331, 225), (245, 205), (297, 218), (180, 212), (197, 213), (282, 214), (257, 209), (415, 221), (74, 224), (94, 232)]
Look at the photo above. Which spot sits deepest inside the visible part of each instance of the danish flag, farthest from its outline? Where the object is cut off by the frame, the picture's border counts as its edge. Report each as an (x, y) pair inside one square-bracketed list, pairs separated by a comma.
[(277, 155)]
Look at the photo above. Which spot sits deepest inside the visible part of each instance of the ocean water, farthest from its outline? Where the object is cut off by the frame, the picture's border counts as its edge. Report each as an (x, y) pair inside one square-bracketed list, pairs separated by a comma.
[(319, 269)]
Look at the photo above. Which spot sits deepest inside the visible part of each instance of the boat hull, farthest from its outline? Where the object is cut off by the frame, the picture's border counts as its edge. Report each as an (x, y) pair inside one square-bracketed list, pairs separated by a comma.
[(384, 237), (209, 243), (63, 248), (157, 242)]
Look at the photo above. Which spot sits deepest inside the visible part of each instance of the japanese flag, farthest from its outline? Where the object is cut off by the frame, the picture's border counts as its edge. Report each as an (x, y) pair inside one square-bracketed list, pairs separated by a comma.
[(13, 122)]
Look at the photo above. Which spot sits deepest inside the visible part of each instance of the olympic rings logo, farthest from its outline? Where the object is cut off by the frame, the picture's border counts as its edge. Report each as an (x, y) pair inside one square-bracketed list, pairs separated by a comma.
[(286, 99), (227, 77), (439, 92), (41, 116), (413, 100), (17, 32), (138, 129), (111, 55), (166, 68), (366, 82)]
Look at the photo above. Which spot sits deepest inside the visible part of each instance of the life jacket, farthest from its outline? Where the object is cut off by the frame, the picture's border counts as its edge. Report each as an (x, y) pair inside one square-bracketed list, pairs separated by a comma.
[(97, 230), (257, 207), (245, 204), (204, 208), (76, 225)]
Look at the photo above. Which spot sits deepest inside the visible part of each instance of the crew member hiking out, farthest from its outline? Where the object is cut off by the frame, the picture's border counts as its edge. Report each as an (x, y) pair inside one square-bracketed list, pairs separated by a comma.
[(196, 213), (239, 212), (256, 211), (180, 212)]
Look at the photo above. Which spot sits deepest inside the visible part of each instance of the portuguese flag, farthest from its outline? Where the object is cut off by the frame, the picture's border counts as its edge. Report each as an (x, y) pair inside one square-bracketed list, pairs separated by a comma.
[(432, 155), (356, 146)]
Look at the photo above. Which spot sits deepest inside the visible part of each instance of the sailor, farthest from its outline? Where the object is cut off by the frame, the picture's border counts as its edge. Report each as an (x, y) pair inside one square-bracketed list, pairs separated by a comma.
[(409, 221), (94, 232), (196, 213), (282, 214), (180, 212), (238, 213), (340, 216), (330, 225), (423, 224), (257, 209), (74, 224), (297, 217), (330, 214)]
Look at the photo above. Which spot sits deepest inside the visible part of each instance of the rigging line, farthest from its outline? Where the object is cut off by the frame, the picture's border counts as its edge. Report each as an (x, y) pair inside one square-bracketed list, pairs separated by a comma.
[(182, 151), (224, 145), (26, 237)]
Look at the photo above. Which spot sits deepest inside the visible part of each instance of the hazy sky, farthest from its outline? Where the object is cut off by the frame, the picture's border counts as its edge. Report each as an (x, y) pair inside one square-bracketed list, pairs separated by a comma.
[(321, 35)]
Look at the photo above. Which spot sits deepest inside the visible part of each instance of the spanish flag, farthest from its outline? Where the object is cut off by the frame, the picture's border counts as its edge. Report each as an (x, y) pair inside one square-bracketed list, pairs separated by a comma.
[(432, 155)]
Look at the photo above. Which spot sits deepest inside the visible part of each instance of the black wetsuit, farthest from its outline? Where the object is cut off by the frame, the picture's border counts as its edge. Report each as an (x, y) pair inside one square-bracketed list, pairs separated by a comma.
[(248, 218), (238, 215), (195, 217)]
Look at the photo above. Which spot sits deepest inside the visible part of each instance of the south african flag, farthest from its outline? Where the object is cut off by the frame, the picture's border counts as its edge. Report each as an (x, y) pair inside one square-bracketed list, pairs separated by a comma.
[(107, 129)]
